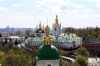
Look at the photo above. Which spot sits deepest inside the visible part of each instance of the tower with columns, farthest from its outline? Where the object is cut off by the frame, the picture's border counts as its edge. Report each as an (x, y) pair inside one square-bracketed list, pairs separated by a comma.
[(56, 28)]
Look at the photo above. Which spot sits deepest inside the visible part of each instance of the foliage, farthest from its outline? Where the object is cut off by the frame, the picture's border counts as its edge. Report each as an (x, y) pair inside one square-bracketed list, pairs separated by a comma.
[(82, 51), (16, 42), (15, 56), (84, 32), (81, 60), (39, 35), (27, 32), (75, 64), (10, 44)]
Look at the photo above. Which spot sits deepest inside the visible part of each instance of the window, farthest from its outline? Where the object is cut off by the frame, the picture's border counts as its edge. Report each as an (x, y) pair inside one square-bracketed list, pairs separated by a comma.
[(55, 29)]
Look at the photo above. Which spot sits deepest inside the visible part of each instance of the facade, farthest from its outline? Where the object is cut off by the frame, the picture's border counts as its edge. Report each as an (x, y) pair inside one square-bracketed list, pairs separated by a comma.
[(47, 54), (93, 46), (93, 61), (39, 30), (63, 41), (72, 38)]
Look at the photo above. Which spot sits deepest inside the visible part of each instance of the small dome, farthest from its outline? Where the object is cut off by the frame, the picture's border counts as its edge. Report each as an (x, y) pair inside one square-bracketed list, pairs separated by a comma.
[(47, 28), (47, 52)]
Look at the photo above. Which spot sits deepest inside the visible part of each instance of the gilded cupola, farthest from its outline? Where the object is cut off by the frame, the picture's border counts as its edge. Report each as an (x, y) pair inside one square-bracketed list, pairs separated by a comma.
[(56, 22), (47, 37)]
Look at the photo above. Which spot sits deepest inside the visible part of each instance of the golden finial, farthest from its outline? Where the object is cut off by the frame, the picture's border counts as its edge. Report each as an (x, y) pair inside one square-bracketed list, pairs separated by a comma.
[(47, 27), (47, 37)]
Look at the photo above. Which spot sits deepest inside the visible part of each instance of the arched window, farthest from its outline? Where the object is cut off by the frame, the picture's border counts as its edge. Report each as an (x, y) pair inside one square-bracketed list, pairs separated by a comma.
[(55, 29), (48, 65)]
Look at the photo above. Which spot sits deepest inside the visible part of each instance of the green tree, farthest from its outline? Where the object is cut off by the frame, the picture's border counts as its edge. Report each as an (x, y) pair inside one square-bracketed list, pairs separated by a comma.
[(10, 44), (27, 32), (39, 35), (75, 64), (82, 51), (81, 60)]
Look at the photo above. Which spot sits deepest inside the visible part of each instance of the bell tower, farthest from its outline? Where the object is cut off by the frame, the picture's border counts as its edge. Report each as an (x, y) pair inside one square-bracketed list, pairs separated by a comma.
[(56, 28)]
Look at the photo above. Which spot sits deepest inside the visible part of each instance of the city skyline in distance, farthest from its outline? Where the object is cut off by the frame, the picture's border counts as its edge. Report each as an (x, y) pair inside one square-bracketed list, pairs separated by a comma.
[(28, 14)]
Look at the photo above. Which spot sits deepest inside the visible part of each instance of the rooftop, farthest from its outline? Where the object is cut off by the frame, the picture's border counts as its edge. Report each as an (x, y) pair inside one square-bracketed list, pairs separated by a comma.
[(94, 60)]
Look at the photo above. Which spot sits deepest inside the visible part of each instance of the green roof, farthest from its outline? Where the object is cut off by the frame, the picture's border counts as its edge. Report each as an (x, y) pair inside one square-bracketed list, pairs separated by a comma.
[(47, 52), (35, 39)]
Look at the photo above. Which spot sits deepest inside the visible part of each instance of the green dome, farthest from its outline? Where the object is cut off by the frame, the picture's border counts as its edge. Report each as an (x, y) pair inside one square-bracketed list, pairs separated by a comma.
[(47, 52)]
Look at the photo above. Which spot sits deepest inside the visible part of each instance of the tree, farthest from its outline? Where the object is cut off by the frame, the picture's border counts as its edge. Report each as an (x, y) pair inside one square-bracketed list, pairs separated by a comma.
[(16, 42), (82, 51), (18, 33), (27, 32), (6, 41), (39, 35), (10, 44), (81, 60), (75, 64)]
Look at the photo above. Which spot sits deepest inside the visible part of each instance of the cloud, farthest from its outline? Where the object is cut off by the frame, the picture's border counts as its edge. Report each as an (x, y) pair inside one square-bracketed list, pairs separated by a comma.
[(2, 0), (95, 1), (82, 20), (87, 10), (16, 5), (16, 20), (3, 9), (56, 6)]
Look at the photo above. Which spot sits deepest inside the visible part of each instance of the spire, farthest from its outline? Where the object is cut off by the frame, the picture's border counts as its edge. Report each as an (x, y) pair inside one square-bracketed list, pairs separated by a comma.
[(40, 25), (36, 27), (47, 37), (56, 20)]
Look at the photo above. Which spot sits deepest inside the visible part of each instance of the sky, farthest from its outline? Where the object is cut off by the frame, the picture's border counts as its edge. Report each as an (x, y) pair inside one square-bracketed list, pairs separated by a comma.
[(28, 13)]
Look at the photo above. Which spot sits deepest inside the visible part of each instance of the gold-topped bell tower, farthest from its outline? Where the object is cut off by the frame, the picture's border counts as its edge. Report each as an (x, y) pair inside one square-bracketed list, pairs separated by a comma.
[(56, 28), (40, 25), (56, 22), (47, 37)]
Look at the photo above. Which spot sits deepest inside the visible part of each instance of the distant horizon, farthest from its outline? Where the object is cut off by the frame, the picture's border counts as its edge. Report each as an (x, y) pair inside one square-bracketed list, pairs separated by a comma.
[(28, 13), (50, 27)]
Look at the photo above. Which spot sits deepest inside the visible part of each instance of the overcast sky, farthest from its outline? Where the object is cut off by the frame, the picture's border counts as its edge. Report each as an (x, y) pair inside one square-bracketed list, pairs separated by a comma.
[(28, 13)]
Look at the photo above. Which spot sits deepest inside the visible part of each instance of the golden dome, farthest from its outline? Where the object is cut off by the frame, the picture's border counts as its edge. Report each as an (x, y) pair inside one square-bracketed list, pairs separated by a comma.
[(56, 22), (47, 37), (47, 28)]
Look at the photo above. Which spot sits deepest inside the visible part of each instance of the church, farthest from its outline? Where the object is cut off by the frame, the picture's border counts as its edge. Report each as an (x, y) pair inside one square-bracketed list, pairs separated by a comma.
[(39, 30), (60, 40), (47, 55)]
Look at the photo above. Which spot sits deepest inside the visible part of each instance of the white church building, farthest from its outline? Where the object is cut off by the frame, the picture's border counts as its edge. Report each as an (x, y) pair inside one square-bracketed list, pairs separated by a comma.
[(62, 40)]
